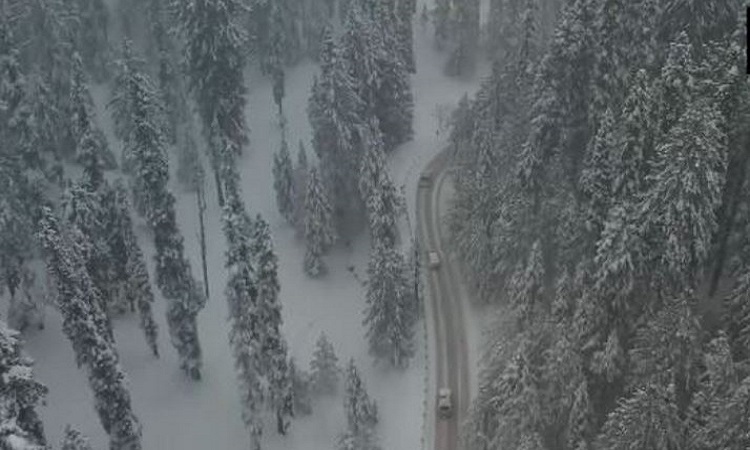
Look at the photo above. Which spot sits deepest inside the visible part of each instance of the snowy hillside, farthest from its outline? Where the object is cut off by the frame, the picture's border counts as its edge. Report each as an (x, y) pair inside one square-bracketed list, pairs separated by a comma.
[(176, 413)]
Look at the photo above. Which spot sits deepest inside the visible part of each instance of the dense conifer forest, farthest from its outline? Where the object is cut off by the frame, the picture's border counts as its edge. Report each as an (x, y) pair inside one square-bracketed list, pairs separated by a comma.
[(602, 202)]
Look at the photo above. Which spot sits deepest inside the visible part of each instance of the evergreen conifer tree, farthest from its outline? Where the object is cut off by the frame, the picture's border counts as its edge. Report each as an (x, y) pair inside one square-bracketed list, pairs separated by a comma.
[(299, 183), (20, 424), (686, 183), (283, 181), (274, 364), (596, 177), (390, 315), (139, 291), (135, 100), (382, 201), (245, 314), (74, 440), (361, 412), (370, 46), (318, 227), (79, 304), (214, 56), (16, 212), (405, 11), (335, 111), (527, 285), (129, 265), (635, 147), (324, 368)]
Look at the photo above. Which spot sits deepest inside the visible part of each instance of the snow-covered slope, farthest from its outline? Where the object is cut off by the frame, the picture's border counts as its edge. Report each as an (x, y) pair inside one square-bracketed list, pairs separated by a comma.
[(179, 414)]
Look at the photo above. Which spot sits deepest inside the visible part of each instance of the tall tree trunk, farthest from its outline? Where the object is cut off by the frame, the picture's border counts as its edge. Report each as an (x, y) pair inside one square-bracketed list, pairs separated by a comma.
[(201, 197), (219, 190)]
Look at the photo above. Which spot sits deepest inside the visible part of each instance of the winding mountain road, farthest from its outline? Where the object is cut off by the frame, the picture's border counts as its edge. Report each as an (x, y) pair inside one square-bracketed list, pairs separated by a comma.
[(444, 309)]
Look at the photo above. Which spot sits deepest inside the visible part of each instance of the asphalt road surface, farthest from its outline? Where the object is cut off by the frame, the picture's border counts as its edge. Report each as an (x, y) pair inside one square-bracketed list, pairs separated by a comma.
[(445, 307)]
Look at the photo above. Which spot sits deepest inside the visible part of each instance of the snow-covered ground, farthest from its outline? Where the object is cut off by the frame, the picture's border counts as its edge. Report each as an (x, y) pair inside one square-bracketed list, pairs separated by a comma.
[(179, 414)]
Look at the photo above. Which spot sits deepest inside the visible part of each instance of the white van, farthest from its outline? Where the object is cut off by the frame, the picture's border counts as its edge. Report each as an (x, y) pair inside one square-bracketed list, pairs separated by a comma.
[(433, 259), (444, 403)]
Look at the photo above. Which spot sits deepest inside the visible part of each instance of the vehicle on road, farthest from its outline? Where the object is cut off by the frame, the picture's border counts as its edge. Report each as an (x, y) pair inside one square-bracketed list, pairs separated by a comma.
[(445, 403), (433, 259), (425, 180)]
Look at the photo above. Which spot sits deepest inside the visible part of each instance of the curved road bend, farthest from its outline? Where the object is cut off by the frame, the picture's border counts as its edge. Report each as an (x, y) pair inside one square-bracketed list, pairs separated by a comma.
[(449, 340)]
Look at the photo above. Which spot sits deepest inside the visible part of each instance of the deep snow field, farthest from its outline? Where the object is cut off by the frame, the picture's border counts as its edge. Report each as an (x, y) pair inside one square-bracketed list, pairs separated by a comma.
[(179, 414)]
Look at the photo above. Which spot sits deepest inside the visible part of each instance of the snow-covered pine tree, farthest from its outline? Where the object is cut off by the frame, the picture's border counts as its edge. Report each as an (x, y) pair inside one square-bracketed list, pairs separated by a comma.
[(363, 441), (559, 115), (184, 295), (277, 40), (596, 176), (163, 53), (129, 264), (529, 45), (686, 183), (84, 210), (299, 182), (665, 362), (675, 87), (283, 181), (273, 348), (319, 233), (74, 440), (18, 201), (214, 55), (363, 48), (382, 200), (616, 21), (390, 315), (371, 46), (272, 44), (20, 425), (335, 113), (405, 11), (721, 400), (136, 100), (621, 268), (700, 21), (645, 419), (527, 284), (324, 369), (637, 134), (79, 304), (122, 112), (80, 115), (361, 412), (666, 349), (246, 333), (140, 293), (138, 117)]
